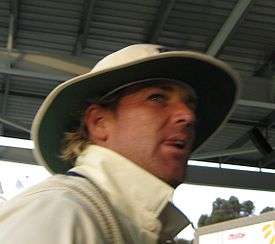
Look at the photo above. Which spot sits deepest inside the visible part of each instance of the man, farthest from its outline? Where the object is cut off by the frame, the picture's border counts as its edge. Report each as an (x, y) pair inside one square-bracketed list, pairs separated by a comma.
[(122, 135)]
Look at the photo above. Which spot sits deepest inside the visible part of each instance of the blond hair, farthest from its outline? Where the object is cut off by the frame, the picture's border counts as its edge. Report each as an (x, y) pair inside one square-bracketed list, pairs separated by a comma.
[(74, 143)]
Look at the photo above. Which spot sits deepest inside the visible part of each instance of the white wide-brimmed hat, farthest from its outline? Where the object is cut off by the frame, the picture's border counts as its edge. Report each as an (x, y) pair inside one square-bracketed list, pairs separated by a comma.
[(214, 82)]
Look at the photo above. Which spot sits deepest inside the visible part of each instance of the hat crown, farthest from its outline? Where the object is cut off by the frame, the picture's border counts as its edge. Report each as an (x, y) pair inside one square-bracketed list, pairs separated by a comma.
[(126, 55)]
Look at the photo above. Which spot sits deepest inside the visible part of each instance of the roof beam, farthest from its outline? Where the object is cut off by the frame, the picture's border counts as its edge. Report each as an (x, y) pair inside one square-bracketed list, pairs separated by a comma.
[(164, 11), (84, 26), (13, 24), (260, 91), (19, 155), (223, 153), (269, 159), (267, 68), (15, 125), (226, 153), (5, 101), (32, 74), (256, 104), (263, 146), (45, 63), (265, 122), (6, 94), (249, 123), (223, 177), (229, 25)]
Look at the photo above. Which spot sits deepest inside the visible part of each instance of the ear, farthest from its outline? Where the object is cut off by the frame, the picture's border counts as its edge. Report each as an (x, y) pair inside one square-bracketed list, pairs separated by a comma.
[(97, 119)]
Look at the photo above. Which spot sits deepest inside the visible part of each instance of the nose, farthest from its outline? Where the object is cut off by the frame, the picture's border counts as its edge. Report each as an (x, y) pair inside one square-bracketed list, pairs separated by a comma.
[(183, 115)]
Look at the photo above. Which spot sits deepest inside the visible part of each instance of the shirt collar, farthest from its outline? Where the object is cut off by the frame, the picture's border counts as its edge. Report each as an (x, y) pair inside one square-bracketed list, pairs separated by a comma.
[(118, 175)]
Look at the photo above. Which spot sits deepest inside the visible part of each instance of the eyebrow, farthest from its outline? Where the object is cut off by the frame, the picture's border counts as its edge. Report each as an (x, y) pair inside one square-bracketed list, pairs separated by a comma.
[(172, 88), (189, 97), (164, 88)]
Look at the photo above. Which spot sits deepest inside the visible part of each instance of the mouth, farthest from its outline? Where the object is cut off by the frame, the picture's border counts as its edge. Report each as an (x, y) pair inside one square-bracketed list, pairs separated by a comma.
[(179, 144)]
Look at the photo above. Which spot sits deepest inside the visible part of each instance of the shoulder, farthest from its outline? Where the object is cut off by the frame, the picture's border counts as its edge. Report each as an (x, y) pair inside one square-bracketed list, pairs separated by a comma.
[(48, 196), (57, 192), (48, 211)]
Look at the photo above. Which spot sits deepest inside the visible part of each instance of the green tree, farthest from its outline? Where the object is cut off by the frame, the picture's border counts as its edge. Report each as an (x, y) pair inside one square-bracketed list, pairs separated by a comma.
[(247, 208), (267, 209), (203, 220), (223, 210)]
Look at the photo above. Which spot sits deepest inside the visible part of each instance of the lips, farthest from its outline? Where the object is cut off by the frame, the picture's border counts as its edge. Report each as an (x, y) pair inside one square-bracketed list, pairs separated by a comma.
[(179, 142)]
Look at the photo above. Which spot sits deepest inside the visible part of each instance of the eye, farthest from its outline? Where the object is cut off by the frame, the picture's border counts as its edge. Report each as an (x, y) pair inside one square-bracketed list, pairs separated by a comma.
[(158, 97)]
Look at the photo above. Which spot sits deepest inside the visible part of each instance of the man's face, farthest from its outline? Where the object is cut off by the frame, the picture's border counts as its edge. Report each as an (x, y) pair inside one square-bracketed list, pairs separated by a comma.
[(155, 128)]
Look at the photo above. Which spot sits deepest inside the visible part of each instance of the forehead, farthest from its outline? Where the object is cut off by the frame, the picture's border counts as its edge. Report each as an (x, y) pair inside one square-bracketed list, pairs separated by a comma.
[(171, 88), (180, 88)]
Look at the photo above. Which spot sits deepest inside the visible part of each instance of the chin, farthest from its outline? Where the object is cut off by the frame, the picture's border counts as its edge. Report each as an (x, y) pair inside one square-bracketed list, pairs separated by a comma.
[(170, 170), (174, 180), (175, 183)]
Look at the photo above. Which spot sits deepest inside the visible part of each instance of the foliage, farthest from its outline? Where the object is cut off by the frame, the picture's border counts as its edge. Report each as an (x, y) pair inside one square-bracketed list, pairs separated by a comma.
[(267, 209), (223, 210)]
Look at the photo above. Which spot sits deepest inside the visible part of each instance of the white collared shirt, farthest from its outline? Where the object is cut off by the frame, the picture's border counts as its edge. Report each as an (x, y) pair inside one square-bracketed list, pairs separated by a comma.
[(139, 196)]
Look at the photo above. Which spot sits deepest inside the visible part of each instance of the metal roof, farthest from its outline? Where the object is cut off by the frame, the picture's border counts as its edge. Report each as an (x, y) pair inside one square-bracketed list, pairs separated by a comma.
[(43, 43)]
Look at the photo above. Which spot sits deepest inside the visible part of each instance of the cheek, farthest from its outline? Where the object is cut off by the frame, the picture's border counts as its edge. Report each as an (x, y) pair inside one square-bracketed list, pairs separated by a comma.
[(138, 118), (139, 125)]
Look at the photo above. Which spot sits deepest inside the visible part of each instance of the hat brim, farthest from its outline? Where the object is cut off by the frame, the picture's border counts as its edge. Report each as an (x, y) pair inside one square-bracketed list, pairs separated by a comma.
[(214, 82)]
